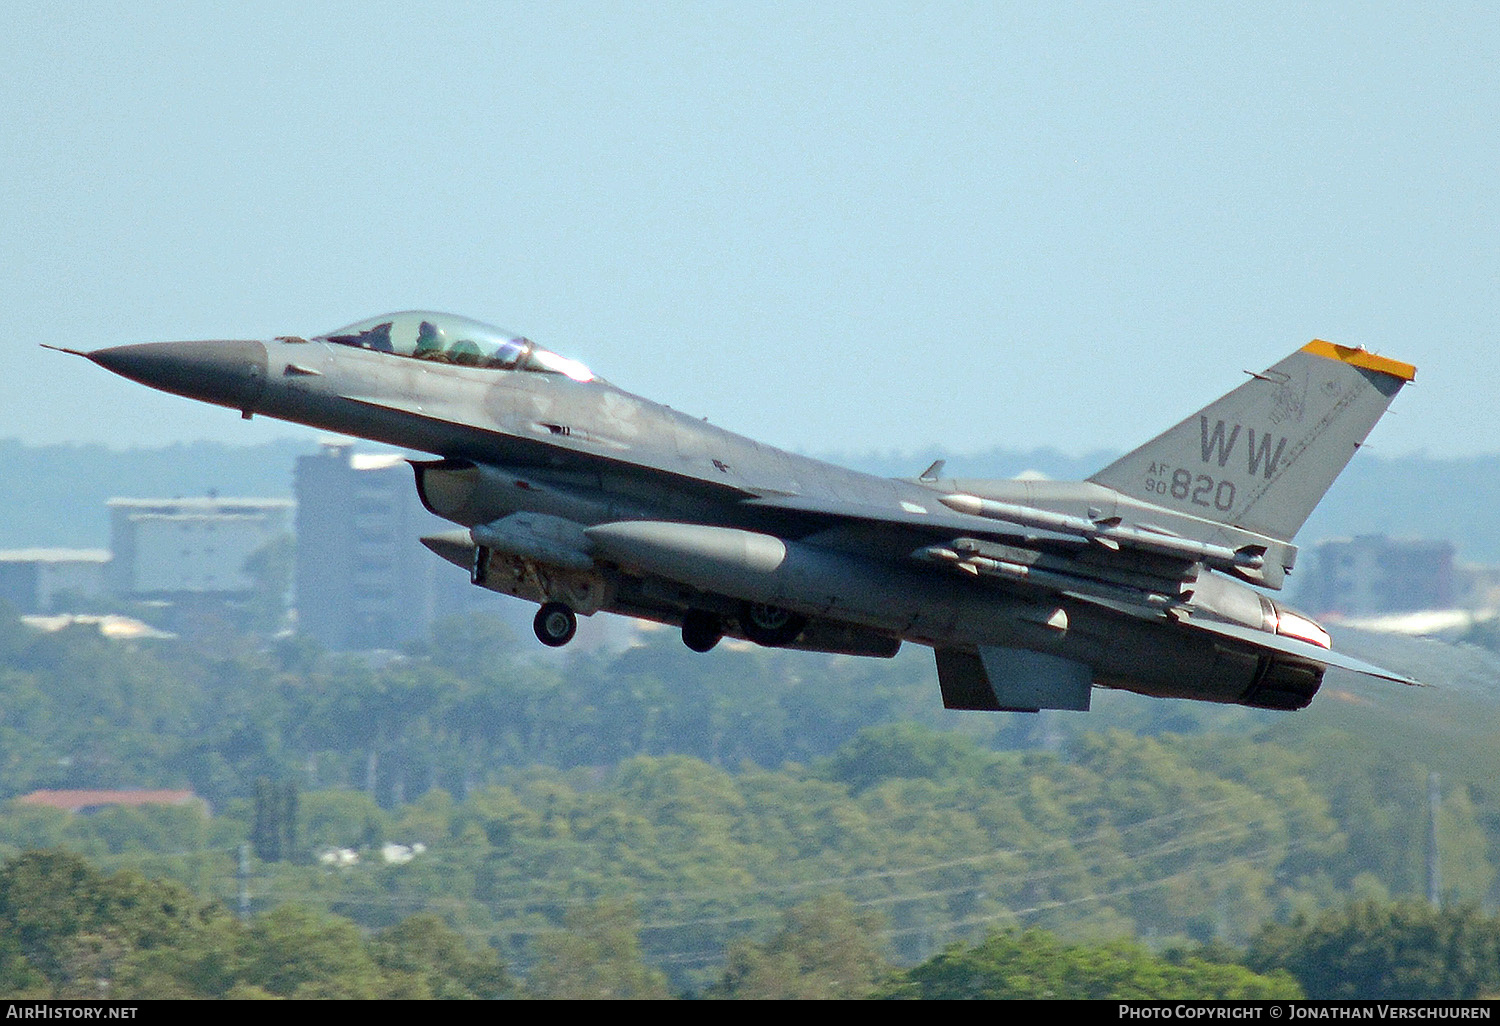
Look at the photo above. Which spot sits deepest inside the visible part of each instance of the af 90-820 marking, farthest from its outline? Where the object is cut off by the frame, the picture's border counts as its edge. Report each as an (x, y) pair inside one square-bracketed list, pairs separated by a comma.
[(1201, 490)]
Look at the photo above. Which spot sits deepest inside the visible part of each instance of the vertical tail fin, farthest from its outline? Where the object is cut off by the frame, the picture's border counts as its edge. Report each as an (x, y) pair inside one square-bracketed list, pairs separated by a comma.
[(1262, 457)]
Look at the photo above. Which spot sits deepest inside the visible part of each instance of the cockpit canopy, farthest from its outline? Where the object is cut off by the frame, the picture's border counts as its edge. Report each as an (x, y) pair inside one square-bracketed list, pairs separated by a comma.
[(447, 338)]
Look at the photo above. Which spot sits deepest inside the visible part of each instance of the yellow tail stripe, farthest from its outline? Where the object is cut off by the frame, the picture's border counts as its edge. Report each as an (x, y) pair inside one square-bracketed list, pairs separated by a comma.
[(1361, 358)]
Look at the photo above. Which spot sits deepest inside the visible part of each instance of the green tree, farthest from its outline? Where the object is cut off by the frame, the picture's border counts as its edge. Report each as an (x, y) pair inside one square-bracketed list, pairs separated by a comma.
[(1034, 964), (1402, 951), (270, 569), (423, 958), (826, 949), (903, 750), (299, 953), (73, 925), (595, 956), (274, 832)]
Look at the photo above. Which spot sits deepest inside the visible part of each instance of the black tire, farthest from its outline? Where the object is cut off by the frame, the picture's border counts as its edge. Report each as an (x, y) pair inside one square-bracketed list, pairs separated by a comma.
[(701, 630), (555, 624), (770, 626)]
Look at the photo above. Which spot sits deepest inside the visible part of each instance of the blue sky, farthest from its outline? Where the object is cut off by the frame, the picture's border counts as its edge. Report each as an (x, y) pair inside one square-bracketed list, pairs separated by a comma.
[(833, 227)]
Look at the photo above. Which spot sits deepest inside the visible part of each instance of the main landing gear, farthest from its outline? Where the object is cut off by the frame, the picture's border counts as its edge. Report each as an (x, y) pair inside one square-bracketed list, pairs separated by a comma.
[(701, 630), (555, 624), (770, 626)]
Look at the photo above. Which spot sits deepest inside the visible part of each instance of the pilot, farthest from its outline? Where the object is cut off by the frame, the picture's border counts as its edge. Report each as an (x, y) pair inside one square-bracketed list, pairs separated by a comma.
[(378, 338), (429, 343), (466, 353)]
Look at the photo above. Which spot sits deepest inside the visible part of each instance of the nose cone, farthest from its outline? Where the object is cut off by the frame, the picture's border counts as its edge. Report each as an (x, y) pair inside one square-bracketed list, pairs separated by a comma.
[(231, 373)]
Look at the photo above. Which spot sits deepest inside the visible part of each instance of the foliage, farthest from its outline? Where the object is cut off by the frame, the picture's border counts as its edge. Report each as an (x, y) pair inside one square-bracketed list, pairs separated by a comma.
[(274, 832), (1034, 964), (438, 963), (902, 750), (270, 569), (67, 930), (72, 925), (1403, 951), (826, 949), (595, 956), (712, 795)]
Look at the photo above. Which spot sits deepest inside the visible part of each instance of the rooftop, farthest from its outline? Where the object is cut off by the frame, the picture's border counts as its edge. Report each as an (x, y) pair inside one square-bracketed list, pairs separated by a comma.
[(121, 628), (54, 555), (203, 503), (75, 801)]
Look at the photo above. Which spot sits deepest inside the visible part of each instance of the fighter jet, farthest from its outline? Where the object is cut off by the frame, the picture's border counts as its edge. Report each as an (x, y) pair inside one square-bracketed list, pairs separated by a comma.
[(1151, 576)]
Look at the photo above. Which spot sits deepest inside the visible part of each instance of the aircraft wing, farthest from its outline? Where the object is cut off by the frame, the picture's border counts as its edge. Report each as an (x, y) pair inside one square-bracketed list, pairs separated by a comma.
[(930, 517), (466, 440), (1020, 554)]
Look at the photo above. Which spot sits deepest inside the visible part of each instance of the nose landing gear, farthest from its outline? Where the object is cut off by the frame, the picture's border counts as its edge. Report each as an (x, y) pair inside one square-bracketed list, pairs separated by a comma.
[(555, 624)]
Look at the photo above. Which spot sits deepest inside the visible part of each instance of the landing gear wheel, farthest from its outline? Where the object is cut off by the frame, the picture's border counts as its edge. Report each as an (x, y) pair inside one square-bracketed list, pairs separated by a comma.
[(701, 631), (555, 624), (771, 626)]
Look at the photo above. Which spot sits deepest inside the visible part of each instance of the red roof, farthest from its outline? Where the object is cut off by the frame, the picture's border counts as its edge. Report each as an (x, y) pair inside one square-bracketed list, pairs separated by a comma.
[(73, 801)]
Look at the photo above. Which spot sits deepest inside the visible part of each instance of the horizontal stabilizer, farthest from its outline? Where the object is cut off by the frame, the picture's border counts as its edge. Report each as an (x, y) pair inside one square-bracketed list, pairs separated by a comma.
[(1294, 647)]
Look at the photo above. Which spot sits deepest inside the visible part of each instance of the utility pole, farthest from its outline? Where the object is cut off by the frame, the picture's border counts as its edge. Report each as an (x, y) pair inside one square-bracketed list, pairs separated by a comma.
[(244, 882), (1434, 867)]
